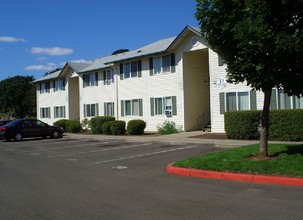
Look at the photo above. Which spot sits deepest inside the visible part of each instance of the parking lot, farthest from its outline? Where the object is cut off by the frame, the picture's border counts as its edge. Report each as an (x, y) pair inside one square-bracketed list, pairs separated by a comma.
[(111, 179)]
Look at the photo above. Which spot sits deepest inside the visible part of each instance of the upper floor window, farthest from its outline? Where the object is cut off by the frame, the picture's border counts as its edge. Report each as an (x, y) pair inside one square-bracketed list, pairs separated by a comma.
[(163, 64), (90, 79), (108, 77), (220, 61), (59, 85), (44, 87), (130, 70)]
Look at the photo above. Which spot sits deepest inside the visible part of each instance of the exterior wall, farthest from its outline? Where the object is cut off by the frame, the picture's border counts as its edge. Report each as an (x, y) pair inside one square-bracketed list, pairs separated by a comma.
[(196, 88), (219, 72), (51, 99), (73, 111), (155, 86)]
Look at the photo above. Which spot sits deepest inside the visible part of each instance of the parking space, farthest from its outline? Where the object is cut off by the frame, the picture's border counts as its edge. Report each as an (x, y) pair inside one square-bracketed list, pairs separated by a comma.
[(111, 179), (94, 152)]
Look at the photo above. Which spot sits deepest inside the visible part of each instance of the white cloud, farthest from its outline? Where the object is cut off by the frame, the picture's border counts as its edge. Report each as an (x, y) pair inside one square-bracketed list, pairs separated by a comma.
[(52, 51), (8, 39), (49, 66)]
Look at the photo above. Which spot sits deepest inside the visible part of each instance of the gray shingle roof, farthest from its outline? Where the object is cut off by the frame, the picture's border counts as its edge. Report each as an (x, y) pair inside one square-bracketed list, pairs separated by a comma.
[(48, 77), (101, 63)]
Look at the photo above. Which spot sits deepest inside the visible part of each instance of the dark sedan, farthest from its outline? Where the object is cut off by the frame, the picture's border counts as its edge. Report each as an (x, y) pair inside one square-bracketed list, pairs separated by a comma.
[(25, 128), (4, 122)]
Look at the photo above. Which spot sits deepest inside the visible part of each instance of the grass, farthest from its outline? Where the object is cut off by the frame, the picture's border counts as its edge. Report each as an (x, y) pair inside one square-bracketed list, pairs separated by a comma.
[(285, 160)]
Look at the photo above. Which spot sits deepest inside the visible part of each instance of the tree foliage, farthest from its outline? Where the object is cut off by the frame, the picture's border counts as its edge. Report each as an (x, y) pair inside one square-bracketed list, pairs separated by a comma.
[(18, 96), (120, 51), (261, 41)]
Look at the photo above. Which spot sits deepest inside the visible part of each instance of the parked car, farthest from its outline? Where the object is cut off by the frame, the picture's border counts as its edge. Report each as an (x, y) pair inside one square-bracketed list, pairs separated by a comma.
[(24, 128), (3, 122)]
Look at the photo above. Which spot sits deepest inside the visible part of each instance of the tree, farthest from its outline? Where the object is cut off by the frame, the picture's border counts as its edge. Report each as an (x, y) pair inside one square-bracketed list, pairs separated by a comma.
[(120, 51), (261, 41), (18, 96)]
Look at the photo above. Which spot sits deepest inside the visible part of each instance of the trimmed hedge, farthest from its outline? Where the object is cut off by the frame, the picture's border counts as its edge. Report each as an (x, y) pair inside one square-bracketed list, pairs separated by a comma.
[(117, 127), (96, 123), (285, 125), (73, 126), (61, 123), (136, 127), (243, 125), (106, 127)]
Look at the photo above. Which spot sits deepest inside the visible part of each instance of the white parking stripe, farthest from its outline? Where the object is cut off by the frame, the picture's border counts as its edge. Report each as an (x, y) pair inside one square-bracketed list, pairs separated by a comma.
[(44, 142), (58, 148), (142, 155), (95, 151)]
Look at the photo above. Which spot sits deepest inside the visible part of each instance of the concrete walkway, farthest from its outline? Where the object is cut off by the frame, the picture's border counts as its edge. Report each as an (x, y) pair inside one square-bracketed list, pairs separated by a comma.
[(175, 139)]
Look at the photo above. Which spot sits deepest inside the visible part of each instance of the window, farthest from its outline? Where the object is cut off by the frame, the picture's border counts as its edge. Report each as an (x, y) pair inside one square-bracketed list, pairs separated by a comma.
[(157, 65), (45, 87), (126, 70), (132, 107), (132, 69), (90, 79), (109, 109), (59, 111), (220, 61), (108, 77), (59, 85), (281, 100), (91, 110), (128, 107), (236, 101), (159, 106), (45, 112), (165, 64), (164, 106), (162, 64)]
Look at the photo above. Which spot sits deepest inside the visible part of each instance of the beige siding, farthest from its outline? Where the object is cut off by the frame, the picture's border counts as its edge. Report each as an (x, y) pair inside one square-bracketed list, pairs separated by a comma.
[(196, 88)]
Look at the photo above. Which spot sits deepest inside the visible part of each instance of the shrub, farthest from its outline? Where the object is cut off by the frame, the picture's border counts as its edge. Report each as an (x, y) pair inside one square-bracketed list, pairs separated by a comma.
[(73, 126), (61, 123), (168, 127), (117, 127), (243, 125), (136, 127), (96, 123), (106, 127), (284, 125)]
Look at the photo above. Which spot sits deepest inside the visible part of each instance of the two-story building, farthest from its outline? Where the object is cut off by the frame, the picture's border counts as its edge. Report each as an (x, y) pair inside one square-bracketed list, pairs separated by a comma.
[(178, 79)]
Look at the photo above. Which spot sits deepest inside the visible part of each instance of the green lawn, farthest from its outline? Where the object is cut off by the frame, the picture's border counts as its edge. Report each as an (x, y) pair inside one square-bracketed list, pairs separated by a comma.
[(286, 160)]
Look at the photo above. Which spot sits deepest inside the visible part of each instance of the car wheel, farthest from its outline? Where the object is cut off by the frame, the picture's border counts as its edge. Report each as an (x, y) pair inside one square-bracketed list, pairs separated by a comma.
[(55, 134), (18, 137)]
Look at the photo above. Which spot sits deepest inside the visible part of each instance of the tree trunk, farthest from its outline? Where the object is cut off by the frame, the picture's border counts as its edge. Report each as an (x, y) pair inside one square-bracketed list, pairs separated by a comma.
[(264, 130)]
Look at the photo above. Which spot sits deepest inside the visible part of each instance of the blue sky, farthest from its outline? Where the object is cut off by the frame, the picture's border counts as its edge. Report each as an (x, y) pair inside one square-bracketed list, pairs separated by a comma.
[(37, 36)]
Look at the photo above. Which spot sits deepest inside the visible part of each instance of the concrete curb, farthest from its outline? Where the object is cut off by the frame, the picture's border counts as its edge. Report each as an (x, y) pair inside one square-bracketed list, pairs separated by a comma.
[(234, 176)]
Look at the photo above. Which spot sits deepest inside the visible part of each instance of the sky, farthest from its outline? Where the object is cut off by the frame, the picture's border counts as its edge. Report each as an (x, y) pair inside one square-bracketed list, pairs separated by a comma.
[(37, 36)]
